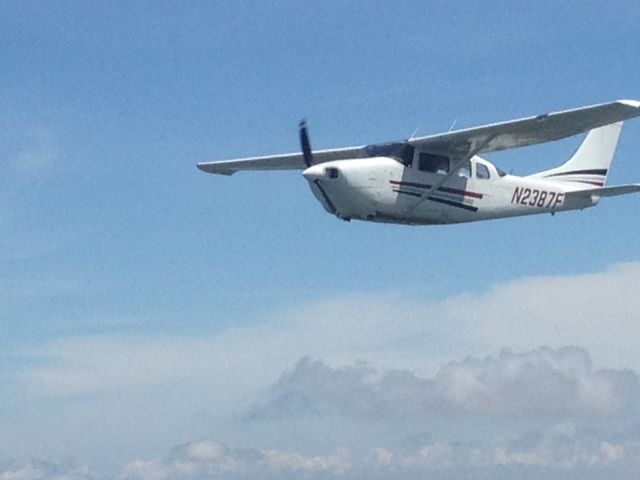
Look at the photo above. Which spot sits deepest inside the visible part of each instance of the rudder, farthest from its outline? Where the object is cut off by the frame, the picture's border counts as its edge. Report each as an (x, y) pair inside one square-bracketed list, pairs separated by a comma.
[(590, 164)]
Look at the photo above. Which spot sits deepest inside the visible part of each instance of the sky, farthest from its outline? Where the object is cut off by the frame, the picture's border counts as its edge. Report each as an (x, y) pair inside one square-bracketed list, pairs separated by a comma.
[(160, 323)]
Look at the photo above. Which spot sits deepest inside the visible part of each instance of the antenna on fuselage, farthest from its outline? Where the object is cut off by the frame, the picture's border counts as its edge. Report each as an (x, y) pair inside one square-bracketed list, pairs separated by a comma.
[(453, 124), (414, 132)]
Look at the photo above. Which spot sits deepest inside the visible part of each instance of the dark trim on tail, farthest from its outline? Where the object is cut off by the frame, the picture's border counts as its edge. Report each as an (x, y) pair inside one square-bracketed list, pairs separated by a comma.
[(595, 171)]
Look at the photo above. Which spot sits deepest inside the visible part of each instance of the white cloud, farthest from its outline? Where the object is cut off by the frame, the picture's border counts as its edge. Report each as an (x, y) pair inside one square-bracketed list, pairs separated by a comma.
[(599, 311), (563, 451), (437, 455), (540, 383), (552, 450), (211, 459), (295, 462)]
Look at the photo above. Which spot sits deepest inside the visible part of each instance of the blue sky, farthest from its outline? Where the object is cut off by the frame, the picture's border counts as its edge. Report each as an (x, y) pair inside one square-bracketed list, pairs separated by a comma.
[(115, 246)]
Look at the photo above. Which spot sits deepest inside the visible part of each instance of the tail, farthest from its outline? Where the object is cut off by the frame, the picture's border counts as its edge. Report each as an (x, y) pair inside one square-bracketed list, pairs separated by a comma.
[(590, 164)]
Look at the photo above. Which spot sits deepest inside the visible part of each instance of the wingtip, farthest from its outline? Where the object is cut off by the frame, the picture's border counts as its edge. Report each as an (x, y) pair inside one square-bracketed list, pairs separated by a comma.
[(631, 103), (212, 168)]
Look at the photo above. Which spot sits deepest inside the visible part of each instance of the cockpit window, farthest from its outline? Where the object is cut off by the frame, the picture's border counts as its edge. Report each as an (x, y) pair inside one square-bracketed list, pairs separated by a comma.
[(482, 172), (433, 163), (400, 150)]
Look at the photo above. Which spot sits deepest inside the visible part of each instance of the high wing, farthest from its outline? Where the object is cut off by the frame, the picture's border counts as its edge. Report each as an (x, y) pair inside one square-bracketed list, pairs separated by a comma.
[(460, 144), (287, 161), (527, 131)]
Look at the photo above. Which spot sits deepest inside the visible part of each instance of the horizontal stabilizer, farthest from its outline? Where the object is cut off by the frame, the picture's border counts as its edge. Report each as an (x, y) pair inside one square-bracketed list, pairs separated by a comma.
[(607, 191)]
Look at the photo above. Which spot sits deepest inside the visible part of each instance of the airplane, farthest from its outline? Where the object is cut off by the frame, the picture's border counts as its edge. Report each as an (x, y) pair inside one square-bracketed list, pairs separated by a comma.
[(441, 179)]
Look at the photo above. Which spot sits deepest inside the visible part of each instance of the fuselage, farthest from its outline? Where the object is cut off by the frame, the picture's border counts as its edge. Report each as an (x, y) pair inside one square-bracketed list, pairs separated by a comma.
[(385, 189)]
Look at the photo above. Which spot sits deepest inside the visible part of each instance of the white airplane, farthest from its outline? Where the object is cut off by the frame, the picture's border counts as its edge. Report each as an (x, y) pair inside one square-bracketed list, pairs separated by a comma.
[(440, 179)]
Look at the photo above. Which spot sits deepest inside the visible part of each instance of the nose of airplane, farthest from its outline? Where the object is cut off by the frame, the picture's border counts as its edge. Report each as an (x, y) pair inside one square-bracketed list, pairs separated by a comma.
[(315, 172)]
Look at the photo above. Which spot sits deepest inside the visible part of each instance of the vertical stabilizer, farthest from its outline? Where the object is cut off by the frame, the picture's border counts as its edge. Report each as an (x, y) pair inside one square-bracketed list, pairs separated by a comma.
[(590, 164)]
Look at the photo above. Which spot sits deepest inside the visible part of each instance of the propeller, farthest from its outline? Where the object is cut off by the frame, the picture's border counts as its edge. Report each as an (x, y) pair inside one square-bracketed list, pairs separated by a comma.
[(304, 143)]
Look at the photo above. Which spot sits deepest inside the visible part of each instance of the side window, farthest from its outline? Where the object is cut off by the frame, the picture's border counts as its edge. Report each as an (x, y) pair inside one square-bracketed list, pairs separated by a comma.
[(465, 171), (428, 162), (482, 172)]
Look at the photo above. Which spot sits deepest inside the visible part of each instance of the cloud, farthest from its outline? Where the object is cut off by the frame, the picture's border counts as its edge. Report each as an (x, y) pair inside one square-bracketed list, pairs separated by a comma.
[(42, 470), (563, 451), (540, 383), (596, 311), (562, 447), (211, 459)]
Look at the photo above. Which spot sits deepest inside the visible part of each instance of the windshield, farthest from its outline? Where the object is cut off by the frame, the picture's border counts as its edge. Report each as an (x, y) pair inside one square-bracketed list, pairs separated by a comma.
[(399, 150)]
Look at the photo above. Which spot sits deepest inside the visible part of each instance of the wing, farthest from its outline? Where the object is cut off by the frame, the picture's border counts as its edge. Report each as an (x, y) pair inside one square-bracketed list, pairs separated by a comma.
[(460, 144), (289, 161), (527, 131)]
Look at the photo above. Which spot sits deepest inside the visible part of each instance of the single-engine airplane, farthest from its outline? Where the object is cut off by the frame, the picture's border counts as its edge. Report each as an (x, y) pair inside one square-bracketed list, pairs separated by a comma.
[(441, 179)]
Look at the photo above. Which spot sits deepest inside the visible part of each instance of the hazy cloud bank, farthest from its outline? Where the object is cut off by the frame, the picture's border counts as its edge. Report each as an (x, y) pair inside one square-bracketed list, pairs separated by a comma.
[(540, 383), (42, 470), (388, 358), (563, 451)]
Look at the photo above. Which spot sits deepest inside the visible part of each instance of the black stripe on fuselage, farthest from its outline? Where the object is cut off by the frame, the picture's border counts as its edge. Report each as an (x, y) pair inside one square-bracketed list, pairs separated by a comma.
[(454, 204), (451, 203), (453, 191)]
